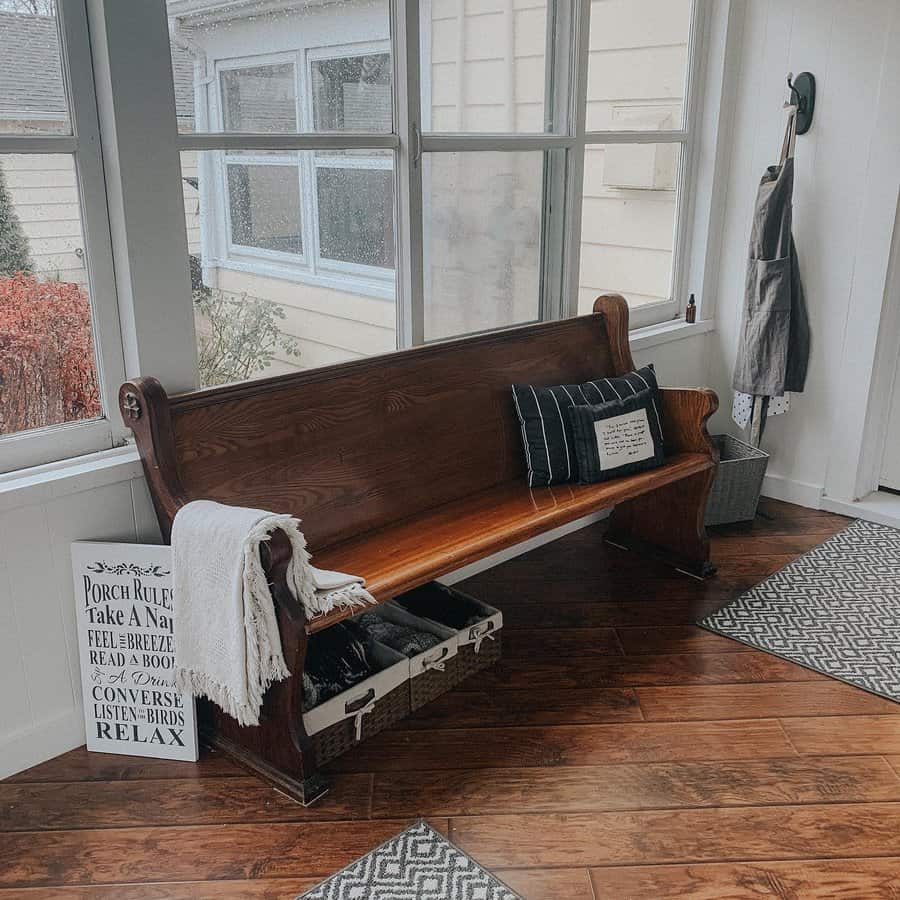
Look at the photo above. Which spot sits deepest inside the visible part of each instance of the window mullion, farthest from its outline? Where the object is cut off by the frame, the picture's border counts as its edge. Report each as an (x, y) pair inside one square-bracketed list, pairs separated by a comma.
[(559, 80), (93, 201), (581, 25), (637, 137), (309, 209), (687, 176), (408, 156), (338, 140)]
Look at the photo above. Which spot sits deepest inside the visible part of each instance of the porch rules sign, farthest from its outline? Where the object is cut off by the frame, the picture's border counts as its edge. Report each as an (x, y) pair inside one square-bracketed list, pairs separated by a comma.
[(125, 612)]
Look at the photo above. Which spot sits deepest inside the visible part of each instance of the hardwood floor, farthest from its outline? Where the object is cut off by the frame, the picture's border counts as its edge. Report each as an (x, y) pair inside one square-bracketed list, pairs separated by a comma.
[(618, 751)]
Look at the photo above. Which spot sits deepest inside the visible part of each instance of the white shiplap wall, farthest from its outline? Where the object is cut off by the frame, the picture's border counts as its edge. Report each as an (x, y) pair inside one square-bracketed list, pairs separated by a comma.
[(844, 170)]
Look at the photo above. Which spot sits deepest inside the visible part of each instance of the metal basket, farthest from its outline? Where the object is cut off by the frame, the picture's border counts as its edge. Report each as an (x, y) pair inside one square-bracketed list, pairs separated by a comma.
[(738, 483)]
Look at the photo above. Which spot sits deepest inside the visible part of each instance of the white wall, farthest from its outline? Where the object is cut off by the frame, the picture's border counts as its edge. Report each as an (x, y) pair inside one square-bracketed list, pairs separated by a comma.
[(40, 682), (848, 174)]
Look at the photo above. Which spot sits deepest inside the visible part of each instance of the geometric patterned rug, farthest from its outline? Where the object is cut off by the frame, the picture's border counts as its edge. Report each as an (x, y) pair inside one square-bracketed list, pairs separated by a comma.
[(835, 609), (417, 864)]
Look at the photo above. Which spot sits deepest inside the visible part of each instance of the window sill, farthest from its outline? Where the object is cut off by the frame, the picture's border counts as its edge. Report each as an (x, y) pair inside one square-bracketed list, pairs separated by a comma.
[(40, 484), (666, 332)]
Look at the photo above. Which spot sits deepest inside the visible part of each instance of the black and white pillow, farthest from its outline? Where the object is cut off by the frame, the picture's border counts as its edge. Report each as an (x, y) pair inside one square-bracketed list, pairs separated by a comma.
[(546, 429), (617, 438)]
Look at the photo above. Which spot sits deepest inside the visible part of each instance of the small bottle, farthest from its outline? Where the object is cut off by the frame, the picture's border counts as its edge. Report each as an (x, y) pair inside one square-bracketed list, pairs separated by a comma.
[(690, 314)]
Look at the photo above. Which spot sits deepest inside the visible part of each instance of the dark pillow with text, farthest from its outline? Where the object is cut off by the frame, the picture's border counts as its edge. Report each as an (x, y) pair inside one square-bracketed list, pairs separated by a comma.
[(546, 429), (617, 438)]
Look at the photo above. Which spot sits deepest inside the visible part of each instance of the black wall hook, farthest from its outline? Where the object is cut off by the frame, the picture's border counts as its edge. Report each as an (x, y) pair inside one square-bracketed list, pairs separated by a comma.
[(803, 96)]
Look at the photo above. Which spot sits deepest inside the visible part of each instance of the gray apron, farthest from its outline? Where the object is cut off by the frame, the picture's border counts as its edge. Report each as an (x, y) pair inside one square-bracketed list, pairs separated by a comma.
[(773, 352)]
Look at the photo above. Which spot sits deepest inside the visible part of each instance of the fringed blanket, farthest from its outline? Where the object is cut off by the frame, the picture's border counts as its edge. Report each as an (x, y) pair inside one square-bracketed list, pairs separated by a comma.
[(227, 645)]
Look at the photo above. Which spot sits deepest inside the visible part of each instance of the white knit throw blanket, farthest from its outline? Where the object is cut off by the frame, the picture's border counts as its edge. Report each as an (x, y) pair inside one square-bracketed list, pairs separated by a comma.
[(227, 645)]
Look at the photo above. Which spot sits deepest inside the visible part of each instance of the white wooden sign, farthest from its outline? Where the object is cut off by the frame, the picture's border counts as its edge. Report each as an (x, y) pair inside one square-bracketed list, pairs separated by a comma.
[(125, 610)]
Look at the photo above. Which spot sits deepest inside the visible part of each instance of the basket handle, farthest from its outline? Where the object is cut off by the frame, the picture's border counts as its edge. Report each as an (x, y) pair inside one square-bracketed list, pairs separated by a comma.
[(481, 631), (352, 706), (361, 706), (436, 661)]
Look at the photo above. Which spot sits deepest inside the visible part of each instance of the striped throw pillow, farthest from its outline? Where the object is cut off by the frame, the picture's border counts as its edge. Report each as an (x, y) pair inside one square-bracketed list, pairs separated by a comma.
[(546, 430)]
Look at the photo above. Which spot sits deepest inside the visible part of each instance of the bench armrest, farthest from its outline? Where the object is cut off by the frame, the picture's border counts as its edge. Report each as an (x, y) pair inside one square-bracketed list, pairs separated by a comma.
[(685, 412), (144, 405), (276, 556)]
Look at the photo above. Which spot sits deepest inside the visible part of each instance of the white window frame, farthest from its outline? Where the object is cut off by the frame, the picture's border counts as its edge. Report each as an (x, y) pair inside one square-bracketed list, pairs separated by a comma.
[(248, 251), (57, 442), (309, 266), (374, 275)]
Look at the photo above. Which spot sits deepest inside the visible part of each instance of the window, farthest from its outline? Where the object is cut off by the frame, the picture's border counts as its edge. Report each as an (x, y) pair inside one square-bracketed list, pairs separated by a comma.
[(264, 205), (355, 210), (483, 245), (633, 193), (60, 348), (259, 99), (351, 92), (319, 219), (529, 157)]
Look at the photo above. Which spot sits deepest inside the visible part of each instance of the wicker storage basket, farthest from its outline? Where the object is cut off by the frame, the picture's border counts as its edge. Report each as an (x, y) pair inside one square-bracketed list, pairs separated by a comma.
[(479, 645), (362, 711), (739, 478), (430, 673)]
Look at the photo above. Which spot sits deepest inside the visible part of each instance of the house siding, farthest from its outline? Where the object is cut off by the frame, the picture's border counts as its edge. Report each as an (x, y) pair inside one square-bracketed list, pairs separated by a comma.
[(44, 194)]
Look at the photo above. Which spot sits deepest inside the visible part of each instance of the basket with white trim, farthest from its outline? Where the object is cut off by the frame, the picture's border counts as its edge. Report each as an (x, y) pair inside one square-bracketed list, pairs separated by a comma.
[(363, 710), (433, 671), (479, 643)]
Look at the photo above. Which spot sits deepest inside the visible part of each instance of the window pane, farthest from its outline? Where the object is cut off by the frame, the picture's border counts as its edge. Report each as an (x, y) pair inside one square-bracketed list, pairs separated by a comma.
[(260, 313), (48, 373), (483, 71), (482, 241), (356, 212), (352, 93), (332, 57), (264, 206), (259, 99), (628, 222), (32, 94), (638, 64)]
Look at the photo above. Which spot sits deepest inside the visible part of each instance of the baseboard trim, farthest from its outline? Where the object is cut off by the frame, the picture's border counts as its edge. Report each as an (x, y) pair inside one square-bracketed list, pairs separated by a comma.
[(41, 742), (879, 507), (518, 549), (790, 490)]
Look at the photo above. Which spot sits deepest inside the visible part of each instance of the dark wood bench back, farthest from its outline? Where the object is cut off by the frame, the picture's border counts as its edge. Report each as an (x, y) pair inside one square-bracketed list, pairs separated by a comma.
[(352, 447)]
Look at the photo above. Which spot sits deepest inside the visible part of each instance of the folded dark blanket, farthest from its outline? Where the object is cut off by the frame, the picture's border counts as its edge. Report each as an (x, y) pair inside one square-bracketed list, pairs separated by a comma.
[(336, 659), (403, 638)]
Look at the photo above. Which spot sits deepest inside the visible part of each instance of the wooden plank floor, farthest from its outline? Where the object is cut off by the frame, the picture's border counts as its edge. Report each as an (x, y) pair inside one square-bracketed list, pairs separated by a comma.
[(618, 751)]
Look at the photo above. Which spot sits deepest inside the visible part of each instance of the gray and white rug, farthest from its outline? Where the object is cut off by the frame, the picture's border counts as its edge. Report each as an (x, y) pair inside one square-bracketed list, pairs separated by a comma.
[(417, 864), (835, 609)]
